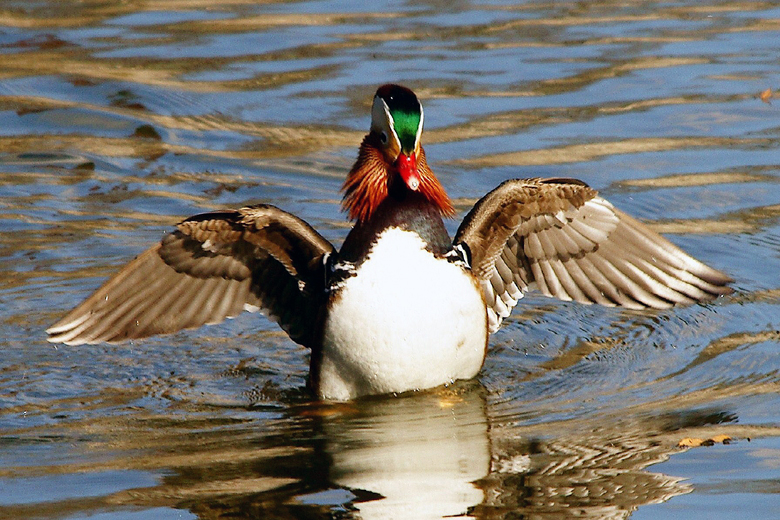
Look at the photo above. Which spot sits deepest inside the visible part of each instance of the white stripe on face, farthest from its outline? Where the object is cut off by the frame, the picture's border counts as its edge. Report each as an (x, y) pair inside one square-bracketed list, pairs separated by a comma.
[(382, 121)]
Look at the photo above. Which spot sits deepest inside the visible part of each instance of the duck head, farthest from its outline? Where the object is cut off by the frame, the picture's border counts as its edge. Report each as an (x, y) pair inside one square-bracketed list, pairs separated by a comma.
[(399, 129), (391, 161)]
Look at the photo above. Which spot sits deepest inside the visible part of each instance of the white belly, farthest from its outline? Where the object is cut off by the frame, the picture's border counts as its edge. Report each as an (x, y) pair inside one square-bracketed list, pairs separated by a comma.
[(405, 321)]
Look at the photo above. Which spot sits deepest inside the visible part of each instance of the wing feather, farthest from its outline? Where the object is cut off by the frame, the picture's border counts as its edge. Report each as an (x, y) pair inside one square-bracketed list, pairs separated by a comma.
[(586, 277), (212, 267), (560, 237), (568, 284)]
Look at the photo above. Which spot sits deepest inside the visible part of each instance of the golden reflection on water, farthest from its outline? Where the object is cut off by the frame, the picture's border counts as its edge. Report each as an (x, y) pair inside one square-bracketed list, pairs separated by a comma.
[(56, 57), (591, 151)]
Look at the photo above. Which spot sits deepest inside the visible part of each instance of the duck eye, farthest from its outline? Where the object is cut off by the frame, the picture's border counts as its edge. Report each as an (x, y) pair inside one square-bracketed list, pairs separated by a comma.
[(383, 137)]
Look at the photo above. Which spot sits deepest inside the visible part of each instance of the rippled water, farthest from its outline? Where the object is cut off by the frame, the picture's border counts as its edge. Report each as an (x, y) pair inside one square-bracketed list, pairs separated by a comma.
[(117, 119)]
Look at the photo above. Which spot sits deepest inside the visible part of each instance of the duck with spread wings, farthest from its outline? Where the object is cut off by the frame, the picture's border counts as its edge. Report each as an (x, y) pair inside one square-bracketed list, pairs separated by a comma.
[(400, 306)]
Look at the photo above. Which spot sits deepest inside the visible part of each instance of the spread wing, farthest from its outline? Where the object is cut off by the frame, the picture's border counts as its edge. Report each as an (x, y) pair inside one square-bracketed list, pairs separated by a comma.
[(557, 235), (212, 267)]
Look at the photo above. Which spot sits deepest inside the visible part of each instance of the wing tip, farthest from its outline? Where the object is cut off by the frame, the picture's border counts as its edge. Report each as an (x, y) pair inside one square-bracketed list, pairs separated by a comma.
[(63, 338), (719, 279), (59, 332)]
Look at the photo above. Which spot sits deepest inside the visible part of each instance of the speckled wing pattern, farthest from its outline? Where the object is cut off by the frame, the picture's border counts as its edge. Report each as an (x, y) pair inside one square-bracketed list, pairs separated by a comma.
[(558, 236), (212, 267)]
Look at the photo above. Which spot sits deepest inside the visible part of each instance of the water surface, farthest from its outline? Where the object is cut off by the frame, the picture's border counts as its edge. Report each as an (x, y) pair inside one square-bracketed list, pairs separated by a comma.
[(118, 119)]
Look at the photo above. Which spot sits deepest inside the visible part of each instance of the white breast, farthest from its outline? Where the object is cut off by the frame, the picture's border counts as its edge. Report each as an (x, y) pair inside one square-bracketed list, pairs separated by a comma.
[(406, 321)]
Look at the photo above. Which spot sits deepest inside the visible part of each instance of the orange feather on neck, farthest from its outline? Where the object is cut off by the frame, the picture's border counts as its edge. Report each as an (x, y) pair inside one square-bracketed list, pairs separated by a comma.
[(366, 185), (432, 189)]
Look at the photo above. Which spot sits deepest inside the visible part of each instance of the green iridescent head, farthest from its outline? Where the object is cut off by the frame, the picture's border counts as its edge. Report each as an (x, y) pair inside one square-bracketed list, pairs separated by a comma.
[(397, 115)]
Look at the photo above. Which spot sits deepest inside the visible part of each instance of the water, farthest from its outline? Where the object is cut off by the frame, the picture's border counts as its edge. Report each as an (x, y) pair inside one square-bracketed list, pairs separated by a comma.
[(117, 119)]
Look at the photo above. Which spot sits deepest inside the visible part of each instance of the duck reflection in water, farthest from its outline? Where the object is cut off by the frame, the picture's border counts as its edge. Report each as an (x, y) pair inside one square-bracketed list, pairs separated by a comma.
[(438, 455), (430, 455), (421, 454)]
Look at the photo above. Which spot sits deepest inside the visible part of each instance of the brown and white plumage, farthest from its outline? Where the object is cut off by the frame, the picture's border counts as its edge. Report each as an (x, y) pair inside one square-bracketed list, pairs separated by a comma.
[(559, 236), (401, 306), (213, 266)]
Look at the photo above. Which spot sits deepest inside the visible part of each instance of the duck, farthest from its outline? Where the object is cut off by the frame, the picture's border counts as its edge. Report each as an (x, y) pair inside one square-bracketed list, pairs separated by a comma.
[(400, 306)]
